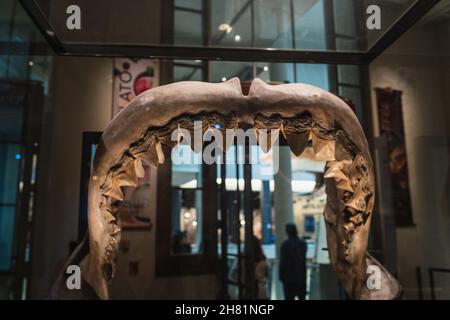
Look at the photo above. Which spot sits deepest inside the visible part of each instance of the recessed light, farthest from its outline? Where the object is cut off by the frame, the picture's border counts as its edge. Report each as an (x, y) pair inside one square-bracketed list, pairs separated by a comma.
[(225, 27)]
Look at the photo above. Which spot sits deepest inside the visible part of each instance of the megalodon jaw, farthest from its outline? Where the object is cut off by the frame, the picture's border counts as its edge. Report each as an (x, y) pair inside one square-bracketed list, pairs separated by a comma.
[(307, 116)]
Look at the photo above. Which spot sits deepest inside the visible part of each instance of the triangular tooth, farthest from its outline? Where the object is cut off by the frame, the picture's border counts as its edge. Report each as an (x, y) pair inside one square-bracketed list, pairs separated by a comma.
[(349, 227), (159, 152), (127, 178), (264, 138), (109, 217), (354, 170), (115, 192), (358, 200), (297, 142), (323, 149), (345, 185), (150, 156), (357, 219), (335, 172), (115, 230), (139, 168)]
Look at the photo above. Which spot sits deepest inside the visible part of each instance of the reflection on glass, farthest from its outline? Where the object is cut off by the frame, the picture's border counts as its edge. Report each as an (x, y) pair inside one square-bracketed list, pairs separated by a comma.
[(231, 23), (187, 195), (188, 28), (309, 25), (275, 72), (273, 24), (190, 4), (225, 70), (314, 74)]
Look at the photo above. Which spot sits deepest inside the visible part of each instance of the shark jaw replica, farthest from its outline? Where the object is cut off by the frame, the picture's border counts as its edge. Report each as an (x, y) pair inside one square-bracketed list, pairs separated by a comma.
[(307, 117)]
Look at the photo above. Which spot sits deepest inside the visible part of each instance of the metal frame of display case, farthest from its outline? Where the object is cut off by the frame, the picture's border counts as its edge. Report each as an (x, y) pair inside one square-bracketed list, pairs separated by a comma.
[(169, 51)]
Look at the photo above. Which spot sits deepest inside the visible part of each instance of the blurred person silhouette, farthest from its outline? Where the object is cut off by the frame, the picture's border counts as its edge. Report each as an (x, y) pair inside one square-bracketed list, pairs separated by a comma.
[(260, 267), (180, 245), (292, 271), (261, 270)]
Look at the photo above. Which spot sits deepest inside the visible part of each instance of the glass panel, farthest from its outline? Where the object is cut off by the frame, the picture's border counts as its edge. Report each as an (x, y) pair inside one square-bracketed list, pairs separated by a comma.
[(188, 28), (224, 70), (275, 72), (309, 25), (6, 236), (273, 25), (344, 22), (187, 202), (354, 96), (315, 74), (6, 12), (182, 73), (231, 23), (9, 173), (234, 23), (191, 4), (348, 74), (11, 111)]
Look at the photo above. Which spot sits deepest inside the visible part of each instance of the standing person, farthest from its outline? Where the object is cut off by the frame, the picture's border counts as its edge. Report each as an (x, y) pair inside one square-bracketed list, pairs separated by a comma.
[(293, 264), (261, 270)]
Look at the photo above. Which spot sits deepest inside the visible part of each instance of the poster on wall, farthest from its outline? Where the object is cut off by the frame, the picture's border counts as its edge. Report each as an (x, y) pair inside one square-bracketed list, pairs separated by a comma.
[(390, 115), (131, 78)]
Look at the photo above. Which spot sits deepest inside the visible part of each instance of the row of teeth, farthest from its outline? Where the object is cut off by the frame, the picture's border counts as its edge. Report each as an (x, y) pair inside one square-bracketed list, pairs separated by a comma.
[(149, 148), (352, 179)]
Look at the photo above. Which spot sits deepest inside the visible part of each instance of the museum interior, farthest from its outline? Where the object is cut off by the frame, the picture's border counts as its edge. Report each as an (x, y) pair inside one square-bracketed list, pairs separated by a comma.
[(197, 231)]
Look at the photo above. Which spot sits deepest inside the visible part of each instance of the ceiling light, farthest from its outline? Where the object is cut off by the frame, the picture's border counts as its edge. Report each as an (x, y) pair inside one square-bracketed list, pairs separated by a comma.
[(225, 27), (237, 38), (266, 68), (31, 63), (224, 79)]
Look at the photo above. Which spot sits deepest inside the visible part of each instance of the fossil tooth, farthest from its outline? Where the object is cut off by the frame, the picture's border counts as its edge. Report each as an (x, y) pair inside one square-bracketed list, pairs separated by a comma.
[(149, 156), (349, 227), (297, 142), (335, 171), (357, 219), (266, 138), (109, 217), (159, 152), (115, 192), (357, 202), (345, 185), (127, 178), (139, 168), (324, 149), (115, 230)]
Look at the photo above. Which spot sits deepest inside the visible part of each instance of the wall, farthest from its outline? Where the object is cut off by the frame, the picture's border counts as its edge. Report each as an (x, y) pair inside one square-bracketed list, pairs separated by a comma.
[(80, 100), (418, 64)]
